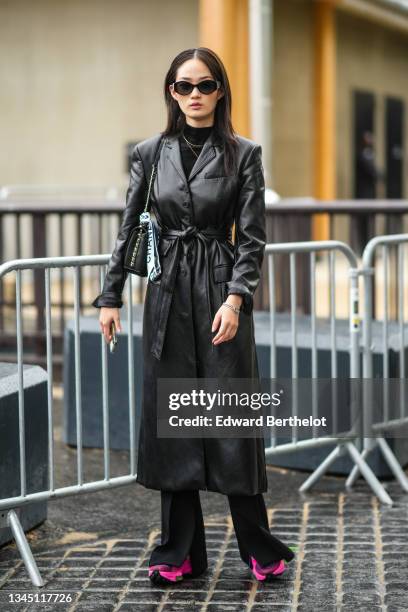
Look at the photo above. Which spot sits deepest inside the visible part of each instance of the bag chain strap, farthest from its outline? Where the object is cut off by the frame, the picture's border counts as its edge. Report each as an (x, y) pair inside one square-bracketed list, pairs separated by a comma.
[(139, 237), (155, 163), (150, 186)]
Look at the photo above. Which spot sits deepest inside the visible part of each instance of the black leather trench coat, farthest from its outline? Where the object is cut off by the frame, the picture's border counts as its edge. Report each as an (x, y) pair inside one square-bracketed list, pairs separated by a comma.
[(200, 267)]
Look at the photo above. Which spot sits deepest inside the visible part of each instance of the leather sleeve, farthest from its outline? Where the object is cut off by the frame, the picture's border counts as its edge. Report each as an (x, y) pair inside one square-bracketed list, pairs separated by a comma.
[(250, 233), (116, 276)]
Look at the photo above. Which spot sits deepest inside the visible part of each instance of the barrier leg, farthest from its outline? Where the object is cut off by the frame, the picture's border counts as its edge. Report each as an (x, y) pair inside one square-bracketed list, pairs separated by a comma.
[(25, 551), (369, 475), (321, 469), (393, 463), (389, 457), (355, 472)]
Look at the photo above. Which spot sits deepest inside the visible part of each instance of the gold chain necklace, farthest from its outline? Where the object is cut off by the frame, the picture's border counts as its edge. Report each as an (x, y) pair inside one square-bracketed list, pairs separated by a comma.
[(191, 145)]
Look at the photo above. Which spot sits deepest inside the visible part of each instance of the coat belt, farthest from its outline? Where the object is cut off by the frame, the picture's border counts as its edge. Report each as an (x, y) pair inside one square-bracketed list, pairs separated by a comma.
[(169, 278)]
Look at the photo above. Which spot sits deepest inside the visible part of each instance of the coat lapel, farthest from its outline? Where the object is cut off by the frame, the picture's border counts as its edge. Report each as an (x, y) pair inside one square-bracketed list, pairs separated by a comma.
[(208, 152)]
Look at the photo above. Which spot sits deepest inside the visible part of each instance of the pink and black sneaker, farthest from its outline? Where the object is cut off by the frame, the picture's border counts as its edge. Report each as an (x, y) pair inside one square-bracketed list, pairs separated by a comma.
[(267, 572), (169, 574)]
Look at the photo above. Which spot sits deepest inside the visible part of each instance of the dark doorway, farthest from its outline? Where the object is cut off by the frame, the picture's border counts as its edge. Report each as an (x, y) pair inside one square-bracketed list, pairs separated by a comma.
[(394, 122), (364, 169), (363, 106), (394, 182)]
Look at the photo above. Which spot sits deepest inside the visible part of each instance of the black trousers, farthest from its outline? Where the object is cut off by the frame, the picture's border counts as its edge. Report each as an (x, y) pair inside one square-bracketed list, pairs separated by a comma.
[(183, 531)]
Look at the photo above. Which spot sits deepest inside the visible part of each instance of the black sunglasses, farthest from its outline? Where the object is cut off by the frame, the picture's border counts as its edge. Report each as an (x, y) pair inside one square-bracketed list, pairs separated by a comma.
[(205, 87)]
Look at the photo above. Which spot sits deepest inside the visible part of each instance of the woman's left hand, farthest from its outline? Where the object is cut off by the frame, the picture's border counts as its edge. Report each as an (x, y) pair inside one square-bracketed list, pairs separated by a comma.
[(227, 320)]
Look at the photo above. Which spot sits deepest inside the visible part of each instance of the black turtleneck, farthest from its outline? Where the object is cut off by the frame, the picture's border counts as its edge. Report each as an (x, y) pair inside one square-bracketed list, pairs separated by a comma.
[(195, 135)]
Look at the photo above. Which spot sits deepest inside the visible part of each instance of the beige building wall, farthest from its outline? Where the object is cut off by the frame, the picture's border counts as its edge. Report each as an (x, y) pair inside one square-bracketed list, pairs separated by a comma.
[(373, 58), (81, 78), (293, 99)]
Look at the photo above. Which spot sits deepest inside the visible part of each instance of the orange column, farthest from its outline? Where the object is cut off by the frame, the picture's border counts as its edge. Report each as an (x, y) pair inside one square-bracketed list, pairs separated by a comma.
[(223, 27), (325, 114)]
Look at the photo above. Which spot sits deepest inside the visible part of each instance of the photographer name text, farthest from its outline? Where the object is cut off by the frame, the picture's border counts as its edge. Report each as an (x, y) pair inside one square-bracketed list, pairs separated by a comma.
[(259, 421)]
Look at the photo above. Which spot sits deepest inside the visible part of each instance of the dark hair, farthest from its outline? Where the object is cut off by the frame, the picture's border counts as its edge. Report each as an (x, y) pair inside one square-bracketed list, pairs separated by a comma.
[(176, 119)]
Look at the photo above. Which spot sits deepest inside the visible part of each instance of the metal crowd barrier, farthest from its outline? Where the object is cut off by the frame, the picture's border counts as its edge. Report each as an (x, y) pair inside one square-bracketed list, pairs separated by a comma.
[(349, 445), (376, 429), (8, 504), (351, 442)]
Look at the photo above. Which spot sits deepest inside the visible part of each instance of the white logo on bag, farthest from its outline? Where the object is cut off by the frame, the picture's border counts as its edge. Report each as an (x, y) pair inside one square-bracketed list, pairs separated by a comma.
[(153, 259)]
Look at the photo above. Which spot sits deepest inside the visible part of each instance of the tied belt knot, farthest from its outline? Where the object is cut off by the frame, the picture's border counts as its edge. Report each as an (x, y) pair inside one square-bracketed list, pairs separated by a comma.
[(188, 232), (167, 284)]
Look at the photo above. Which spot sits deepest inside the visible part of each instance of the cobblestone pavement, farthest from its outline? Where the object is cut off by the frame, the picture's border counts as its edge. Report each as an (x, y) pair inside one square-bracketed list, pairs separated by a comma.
[(352, 556)]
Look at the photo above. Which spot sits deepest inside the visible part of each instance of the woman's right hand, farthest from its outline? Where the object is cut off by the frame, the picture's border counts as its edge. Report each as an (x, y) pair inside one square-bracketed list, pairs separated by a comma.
[(107, 315)]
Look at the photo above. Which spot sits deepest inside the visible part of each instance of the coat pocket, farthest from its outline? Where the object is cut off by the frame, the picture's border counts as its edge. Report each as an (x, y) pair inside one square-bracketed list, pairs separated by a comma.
[(222, 273)]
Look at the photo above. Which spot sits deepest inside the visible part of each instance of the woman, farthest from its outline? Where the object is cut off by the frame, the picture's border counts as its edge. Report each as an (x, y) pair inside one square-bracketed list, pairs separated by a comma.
[(198, 318)]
